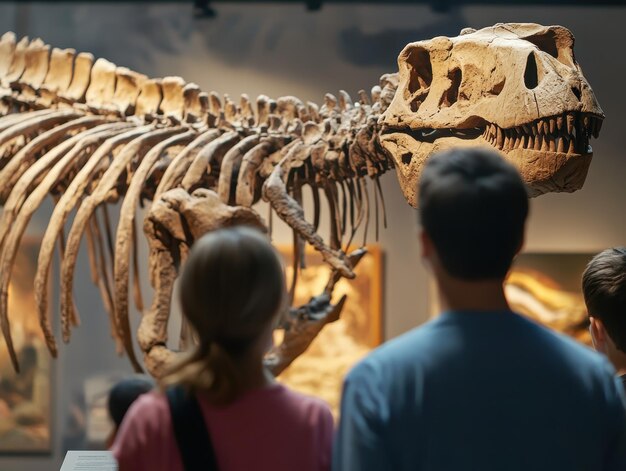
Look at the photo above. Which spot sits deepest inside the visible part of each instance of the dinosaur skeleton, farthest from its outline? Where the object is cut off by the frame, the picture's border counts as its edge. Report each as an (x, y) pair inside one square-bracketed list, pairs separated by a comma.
[(90, 134)]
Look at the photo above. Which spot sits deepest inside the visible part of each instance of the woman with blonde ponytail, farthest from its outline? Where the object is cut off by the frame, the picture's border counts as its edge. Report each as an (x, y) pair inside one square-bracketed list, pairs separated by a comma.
[(221, 409)]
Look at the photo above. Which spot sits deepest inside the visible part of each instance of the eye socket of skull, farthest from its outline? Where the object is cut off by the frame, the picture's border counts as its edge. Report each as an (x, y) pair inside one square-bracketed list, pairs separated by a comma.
[(558, 43)]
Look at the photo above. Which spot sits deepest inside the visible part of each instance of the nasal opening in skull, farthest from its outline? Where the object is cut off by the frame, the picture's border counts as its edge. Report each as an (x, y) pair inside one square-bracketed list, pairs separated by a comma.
[(451, 95), (421, 71), (531, 78)]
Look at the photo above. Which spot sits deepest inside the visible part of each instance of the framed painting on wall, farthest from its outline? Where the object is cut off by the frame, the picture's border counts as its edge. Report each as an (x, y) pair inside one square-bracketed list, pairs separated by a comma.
[(25, 398), (321, 369), (547, 287)]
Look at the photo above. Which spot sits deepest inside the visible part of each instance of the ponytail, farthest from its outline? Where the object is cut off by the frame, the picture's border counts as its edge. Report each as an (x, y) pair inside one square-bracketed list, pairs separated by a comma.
[(210, 370)]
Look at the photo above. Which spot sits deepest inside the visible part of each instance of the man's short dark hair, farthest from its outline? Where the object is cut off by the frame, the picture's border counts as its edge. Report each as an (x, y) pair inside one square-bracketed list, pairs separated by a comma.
[(473, 206), (604, 289)]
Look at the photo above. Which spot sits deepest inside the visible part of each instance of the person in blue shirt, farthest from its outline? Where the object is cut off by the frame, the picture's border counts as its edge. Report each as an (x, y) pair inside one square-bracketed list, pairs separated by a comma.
[(604, 289), (479, 387)]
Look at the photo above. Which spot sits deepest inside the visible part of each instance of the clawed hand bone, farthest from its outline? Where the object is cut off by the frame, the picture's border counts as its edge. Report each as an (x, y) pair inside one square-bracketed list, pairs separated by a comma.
[(302, 324)]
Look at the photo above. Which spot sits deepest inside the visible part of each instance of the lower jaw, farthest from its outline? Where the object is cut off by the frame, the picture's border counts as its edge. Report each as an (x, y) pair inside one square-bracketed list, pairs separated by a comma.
[(547, 172), (542, 171)]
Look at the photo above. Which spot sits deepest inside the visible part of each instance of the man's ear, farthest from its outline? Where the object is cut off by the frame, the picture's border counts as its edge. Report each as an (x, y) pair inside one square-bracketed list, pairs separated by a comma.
[(597, 327), (598, 333)]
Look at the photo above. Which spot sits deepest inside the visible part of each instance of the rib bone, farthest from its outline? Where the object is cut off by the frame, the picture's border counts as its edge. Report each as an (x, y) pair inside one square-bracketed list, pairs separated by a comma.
[(34, 200), (229, 168), (179, 165), (108, 181), (21, 161), (39, 169), (63, 208)]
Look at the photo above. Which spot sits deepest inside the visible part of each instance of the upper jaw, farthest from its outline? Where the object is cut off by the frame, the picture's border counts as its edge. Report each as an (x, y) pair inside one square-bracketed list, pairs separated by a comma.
[(552, 154), (567, 133)]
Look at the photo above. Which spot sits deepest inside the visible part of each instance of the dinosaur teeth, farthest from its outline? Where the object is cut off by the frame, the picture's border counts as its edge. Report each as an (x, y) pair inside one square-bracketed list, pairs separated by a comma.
[(560, 123), (572, 146), (570, 124), (499, 138), (563, 133)]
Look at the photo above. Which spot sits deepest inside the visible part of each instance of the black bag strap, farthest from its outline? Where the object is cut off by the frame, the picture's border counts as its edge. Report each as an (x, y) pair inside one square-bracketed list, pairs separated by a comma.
[(190, 431)]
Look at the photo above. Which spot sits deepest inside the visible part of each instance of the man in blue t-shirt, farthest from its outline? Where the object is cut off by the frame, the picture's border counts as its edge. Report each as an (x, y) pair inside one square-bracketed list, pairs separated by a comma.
[(479, 387)]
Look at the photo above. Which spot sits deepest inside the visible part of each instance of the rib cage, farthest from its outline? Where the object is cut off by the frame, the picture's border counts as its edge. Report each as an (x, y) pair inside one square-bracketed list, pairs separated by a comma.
[(90, 133)]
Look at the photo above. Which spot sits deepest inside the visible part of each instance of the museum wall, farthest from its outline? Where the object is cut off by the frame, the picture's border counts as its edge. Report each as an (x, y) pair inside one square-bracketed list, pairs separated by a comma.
[(284, 50)]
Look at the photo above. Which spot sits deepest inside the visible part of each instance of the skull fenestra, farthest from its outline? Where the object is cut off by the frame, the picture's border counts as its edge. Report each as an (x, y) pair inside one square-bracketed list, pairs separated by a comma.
[(514, 87)]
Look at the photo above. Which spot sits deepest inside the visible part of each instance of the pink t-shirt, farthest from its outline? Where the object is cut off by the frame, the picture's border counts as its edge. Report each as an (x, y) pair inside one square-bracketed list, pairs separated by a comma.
[(272, 428)]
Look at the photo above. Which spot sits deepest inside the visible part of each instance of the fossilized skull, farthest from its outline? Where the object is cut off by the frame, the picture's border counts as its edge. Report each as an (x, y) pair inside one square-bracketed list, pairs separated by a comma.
[(514, 87)]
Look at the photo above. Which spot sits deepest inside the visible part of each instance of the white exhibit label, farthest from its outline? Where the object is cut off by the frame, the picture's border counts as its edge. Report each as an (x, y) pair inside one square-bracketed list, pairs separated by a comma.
[(89, 461)]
